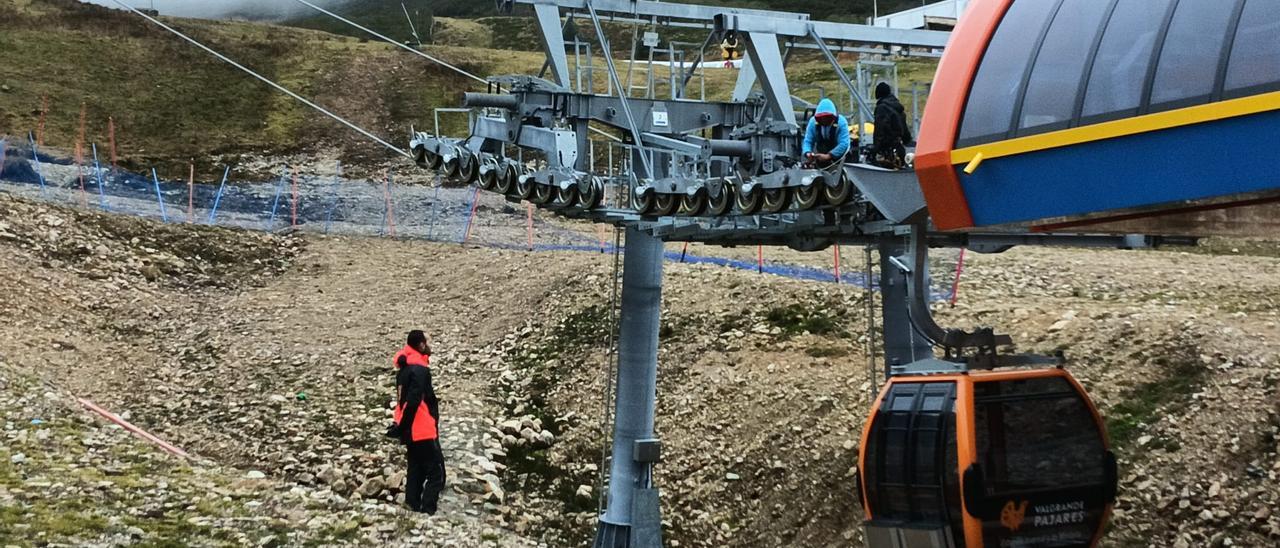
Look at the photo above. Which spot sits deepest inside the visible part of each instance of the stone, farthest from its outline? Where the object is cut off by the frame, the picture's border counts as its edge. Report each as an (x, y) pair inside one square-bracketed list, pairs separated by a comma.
[(329, 475), (255, 474), (528, 435), (732, 476), (18, 458), (584, 491), (371, 487), (510, 427)]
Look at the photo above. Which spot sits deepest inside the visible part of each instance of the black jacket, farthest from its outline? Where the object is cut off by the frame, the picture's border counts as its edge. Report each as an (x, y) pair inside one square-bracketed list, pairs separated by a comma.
[(891, 122)]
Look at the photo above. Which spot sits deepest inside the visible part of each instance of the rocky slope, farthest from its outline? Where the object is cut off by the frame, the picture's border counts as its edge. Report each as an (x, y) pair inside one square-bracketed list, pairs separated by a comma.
[(265, 358)]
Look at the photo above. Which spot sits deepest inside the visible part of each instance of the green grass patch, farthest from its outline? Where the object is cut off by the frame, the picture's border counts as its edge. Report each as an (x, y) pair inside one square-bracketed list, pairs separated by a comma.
[(826, 352), (1143, 404), (797, 318)]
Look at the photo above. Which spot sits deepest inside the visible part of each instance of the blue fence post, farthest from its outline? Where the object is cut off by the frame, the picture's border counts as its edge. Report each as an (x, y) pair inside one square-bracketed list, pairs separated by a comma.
[(35, 155), (4, 145), (333, 198), (97, 171), (213, 214), (160, 199), (275, 204)]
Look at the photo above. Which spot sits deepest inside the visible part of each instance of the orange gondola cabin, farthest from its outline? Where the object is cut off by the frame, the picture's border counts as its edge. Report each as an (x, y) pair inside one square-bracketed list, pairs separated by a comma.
[(990, 459)]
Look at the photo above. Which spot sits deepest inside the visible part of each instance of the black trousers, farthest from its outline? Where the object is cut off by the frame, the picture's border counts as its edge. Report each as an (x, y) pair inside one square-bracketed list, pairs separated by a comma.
[(425, 478)]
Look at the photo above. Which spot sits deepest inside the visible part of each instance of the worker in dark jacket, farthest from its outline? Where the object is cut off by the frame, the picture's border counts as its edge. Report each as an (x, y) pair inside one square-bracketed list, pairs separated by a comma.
[(417, 418), (826, 138), (892, 132)]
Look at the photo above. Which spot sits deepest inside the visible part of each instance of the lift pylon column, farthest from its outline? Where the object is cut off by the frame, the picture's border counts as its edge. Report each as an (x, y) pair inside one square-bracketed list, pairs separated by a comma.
[(632, 518), (902, 344)]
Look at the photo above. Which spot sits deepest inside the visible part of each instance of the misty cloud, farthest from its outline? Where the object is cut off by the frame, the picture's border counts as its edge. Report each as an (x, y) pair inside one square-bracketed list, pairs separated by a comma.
[(259, 9)]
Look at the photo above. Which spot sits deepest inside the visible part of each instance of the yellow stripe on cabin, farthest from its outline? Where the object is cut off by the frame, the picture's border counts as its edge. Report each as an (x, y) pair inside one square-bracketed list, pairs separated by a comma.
[(1120, 128)]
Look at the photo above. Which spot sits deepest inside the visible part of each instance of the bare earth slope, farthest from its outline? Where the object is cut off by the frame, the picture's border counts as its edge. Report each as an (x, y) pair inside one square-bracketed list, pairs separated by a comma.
[(266, 358)]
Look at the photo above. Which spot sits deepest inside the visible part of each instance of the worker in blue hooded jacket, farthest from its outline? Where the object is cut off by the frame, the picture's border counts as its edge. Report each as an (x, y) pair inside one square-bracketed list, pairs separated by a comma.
[(826, 139)]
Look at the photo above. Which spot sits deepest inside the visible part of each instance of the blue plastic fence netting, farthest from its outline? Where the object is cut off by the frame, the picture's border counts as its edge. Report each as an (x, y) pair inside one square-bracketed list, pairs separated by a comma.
[(329, 203)]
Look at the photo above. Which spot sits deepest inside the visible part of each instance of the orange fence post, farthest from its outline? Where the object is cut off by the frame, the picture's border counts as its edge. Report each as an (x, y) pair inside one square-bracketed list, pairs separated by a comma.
[(760, 259), (684, 251), (44, 112), (191, 188)]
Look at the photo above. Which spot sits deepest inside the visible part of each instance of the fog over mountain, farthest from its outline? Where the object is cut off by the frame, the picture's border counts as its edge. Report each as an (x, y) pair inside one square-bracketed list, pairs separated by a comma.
[(217, 9)]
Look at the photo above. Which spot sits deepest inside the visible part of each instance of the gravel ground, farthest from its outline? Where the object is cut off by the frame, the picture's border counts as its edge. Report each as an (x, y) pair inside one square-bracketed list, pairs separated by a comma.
[(265, 357)]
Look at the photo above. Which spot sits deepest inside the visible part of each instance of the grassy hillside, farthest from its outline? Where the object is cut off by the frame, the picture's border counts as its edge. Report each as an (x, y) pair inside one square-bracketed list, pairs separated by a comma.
[(171, 101)]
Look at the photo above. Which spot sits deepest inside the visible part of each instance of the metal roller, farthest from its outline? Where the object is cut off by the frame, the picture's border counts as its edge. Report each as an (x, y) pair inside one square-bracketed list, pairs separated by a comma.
[(451, 160), (730, 147), (490, 100), (468, 166), (490, 171), (507, 177), (719, 197)]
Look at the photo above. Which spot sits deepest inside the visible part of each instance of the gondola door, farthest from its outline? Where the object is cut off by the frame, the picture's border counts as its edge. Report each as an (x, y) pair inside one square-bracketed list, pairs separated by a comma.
[(910, 467), (1039, 472)]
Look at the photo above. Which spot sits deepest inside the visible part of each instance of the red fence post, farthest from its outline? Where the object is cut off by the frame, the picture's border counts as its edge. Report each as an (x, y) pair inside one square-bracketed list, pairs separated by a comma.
[(390, 205), (760, 259), (955, 284), (837, 262), (293, 205), (84, 197), (191, 188), (529, 216), (44, 112), (111, 136)]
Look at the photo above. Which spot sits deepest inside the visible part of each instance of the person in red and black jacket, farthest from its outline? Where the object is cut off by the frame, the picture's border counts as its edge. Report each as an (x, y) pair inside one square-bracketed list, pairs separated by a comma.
[(417, 417)]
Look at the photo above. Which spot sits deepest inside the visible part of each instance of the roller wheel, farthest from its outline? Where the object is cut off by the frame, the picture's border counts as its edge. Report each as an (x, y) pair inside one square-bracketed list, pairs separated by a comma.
[(524, 187), (542, 194), (420, 157), (452, 166), (566, 197), (695, 204), (430, 159), (490, 172), (665, 205), (506, 178), (809, 197), (749, 202), (468, 168), (722, 204), (840, 193), (776, 200), (593, 196), (645, 202)]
